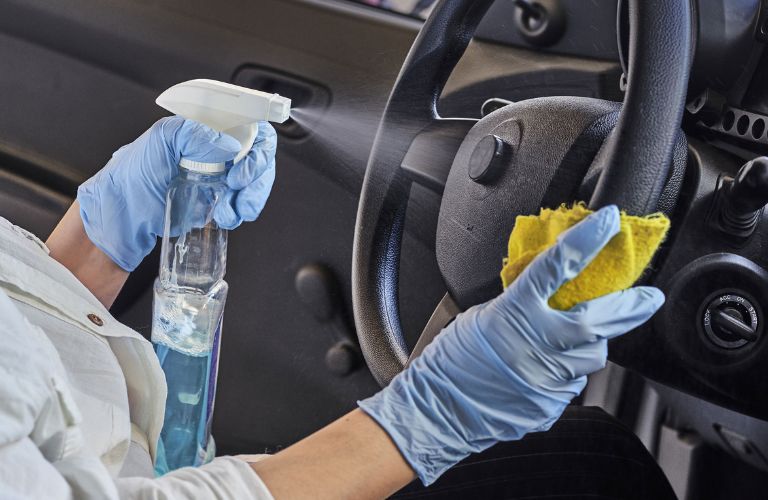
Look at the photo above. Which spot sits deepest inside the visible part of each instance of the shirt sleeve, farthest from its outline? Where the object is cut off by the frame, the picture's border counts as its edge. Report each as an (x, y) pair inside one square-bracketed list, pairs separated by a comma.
[(223, 478), (26, 473), (41, 444)]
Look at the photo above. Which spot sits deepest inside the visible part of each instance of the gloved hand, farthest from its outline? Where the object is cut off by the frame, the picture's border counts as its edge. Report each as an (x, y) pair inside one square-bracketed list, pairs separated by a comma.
[(123, 205), (510, 366)]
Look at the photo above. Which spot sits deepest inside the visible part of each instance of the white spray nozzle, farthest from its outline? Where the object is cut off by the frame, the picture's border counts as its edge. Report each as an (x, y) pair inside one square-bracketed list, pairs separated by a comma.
[(226, 108)]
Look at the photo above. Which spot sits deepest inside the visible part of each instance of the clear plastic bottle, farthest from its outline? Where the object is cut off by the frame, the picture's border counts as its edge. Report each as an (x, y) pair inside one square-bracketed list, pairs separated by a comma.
[(188, 307)]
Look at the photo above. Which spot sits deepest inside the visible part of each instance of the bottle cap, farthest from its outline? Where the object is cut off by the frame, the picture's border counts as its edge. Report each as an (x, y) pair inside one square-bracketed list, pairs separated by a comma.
[(202, 168)]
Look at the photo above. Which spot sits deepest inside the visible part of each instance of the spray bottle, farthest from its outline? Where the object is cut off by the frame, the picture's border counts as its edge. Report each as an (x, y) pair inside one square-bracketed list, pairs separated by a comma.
[(190, 291)]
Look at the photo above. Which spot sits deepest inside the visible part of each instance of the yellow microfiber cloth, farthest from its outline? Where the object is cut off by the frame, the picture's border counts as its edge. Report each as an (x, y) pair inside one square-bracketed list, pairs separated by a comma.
[(617, 267)]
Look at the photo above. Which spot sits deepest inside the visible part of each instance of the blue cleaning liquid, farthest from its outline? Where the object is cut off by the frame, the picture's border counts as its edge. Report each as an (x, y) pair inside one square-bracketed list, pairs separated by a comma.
[(185, 437), (185, 409), (186, 336)]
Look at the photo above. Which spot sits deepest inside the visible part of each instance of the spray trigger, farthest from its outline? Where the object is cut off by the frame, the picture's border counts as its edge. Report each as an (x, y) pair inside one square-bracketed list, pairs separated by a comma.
[(226, 108)]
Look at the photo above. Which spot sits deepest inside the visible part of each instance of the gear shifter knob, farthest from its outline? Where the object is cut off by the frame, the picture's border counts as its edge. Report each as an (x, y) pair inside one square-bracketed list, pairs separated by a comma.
[(749, 191), (744, 197)]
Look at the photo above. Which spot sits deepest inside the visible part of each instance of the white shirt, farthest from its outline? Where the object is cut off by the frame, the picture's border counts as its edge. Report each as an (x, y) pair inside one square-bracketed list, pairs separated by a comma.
[(82, 396)]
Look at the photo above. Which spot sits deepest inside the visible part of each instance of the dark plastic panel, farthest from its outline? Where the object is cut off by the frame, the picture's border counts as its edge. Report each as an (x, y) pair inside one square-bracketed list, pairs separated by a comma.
[(29, 205), (515, 74), (590, 28), (725, 52), (64, 115), (716, 424)]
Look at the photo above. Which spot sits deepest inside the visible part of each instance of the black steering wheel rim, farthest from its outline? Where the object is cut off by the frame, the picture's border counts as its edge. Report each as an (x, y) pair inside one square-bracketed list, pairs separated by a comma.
[(635, 159)]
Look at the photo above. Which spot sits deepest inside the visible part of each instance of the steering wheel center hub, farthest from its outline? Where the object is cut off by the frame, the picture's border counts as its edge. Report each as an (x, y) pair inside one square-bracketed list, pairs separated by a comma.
[(512, 161)]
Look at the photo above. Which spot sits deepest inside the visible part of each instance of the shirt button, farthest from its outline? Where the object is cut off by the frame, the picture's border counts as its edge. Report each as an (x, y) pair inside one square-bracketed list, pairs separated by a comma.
[(96, 320)]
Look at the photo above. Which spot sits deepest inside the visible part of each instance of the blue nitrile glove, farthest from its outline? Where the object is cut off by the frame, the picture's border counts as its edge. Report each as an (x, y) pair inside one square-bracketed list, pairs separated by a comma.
[(122, 206), (510, 366)]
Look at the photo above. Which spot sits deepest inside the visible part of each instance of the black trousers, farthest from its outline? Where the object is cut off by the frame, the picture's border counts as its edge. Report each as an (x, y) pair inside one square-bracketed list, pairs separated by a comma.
[(586, 455)]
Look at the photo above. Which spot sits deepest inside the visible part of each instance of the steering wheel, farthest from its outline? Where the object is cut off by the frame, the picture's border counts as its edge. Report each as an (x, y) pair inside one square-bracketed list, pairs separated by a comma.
[(539, 152)]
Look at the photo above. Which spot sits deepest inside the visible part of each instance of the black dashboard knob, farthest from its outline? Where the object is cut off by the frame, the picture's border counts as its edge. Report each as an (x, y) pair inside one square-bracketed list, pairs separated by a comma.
[(342, 358), (541, 23)]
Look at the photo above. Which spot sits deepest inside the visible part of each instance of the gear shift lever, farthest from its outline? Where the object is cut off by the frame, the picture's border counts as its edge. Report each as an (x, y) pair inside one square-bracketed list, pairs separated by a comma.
[(741, 199)]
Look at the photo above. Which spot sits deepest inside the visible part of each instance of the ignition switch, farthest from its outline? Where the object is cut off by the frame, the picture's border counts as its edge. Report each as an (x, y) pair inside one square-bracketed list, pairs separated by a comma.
[(730, 320)]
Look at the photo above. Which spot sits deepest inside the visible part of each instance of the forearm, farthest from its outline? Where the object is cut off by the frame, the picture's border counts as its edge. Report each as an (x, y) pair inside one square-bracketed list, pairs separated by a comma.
[(70, 245), (351, 458)]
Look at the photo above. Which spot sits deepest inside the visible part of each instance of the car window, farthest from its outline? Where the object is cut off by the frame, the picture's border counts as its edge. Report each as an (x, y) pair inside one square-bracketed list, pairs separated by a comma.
[(415, 8)]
